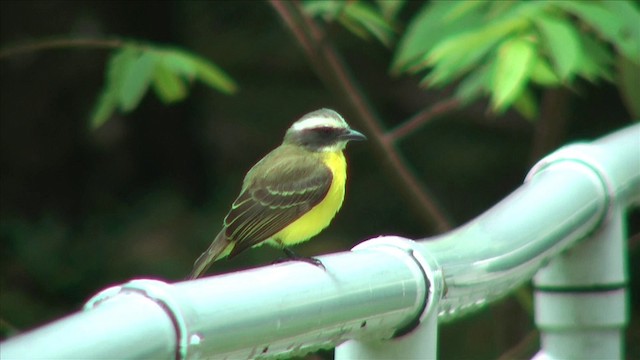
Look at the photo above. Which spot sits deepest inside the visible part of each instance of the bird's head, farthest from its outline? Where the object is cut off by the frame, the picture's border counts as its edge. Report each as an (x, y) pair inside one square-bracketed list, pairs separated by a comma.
[(321, 130)]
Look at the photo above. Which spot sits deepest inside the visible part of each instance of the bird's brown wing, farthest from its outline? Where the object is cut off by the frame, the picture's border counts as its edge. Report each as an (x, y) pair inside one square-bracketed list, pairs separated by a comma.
[(278, 190)]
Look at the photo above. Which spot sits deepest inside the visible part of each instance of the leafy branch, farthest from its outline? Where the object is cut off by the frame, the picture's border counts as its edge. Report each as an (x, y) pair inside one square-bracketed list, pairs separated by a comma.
[(507, 50), (134, 68)]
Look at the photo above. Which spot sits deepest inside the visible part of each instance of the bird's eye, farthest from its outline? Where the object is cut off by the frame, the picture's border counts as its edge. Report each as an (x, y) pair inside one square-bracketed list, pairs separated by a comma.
[(325, 130)]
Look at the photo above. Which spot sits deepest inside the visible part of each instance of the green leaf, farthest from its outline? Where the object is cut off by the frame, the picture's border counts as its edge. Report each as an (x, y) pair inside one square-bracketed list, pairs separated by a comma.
[(474, 85), (117, 66), (459, 9), (427, 29), (137, 76), (628, 40), (213, 76), (367, 17), (470, 35), (360, 18), (179, 62), (390, 8), (327, 9), (512, 69), (167, 84), (543, 74), (629, 84), (458, 54), (615, 21), (526, 105), (133, 68), (354, 27), (563, 42), (103, 109), (195, 67), (598, 61)]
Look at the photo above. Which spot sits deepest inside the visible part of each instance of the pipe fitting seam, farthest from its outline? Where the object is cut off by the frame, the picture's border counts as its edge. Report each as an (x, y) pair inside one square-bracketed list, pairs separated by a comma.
[(581, 154), (432, 275), (160, 293)]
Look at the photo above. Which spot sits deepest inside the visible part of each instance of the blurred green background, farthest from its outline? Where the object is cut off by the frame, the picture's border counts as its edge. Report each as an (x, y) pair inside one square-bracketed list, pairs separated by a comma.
[(143, 195)]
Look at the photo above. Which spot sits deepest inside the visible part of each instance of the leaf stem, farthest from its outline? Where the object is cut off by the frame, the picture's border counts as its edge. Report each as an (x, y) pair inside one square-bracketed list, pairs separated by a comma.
[(60, 44)]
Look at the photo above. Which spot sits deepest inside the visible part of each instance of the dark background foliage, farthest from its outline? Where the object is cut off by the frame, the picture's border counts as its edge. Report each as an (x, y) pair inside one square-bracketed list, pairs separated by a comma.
[(143, 195)]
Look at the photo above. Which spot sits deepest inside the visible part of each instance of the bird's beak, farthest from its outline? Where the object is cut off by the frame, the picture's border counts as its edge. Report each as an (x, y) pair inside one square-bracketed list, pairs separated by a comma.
[(353, 135)]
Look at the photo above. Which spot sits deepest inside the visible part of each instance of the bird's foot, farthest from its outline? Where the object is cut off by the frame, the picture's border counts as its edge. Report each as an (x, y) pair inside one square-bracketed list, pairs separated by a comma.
[(292, 256)]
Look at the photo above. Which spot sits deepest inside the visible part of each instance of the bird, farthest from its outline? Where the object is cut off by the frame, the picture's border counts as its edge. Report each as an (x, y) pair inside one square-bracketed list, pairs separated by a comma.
[(291, 194)]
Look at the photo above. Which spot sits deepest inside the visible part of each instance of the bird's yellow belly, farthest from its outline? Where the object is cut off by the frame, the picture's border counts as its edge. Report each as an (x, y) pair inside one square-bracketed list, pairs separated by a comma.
[(318, 218)]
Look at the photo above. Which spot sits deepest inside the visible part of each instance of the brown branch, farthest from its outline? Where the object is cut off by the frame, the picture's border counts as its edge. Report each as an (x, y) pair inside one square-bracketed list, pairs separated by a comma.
[(422, 118), (332, 70), (551, 124), (634, 242), (60, 44)]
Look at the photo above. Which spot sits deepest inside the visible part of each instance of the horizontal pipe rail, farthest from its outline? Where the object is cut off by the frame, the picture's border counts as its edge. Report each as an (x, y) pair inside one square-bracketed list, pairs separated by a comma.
[(285, 309), (566, 196), (382, 289)]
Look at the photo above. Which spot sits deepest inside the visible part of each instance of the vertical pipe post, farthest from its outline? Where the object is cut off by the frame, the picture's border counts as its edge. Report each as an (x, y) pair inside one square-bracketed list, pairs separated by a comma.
[(419, 344), (420, 341), (581, 303)]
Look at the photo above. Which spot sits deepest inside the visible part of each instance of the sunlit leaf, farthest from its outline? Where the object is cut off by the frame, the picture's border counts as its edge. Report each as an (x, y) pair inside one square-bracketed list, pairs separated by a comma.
[(500, 8), (103, 109), (133, 68), (455, 61), (213, 76), (474, 85), (628, 40), (552, 42), (543, 74), (615, 21), (370, 20), (458, 9), (135, 83), (599, 62), (359, 17), (429, 28), (513, 67), (179, 63), (327, 9), (563, 42), (117, 67), (167, 84), (458, 54), (196, 68)]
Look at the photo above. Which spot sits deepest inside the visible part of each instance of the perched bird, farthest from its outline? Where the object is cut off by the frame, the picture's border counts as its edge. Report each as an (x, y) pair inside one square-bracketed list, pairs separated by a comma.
[(290, 195)]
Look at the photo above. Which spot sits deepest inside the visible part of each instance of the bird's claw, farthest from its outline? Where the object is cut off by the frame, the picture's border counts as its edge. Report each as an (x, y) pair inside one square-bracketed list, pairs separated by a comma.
[(292, 256)]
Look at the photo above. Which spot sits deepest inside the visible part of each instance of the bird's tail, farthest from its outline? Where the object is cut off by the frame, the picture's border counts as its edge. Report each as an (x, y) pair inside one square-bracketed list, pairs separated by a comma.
[(214, 252)]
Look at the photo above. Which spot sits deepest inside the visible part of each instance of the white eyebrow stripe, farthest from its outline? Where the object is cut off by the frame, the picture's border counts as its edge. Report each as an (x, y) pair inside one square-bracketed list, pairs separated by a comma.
[(314, 122)]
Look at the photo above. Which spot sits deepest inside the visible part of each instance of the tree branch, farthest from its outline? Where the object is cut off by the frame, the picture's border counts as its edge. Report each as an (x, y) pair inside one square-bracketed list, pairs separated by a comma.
[(550, 126), (422, 118), (331, 69)]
